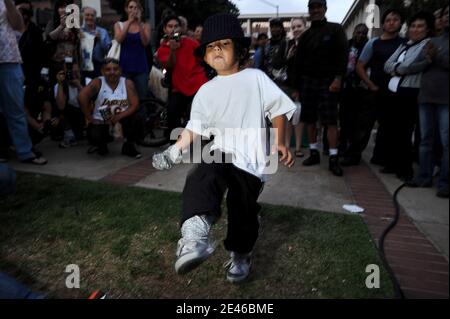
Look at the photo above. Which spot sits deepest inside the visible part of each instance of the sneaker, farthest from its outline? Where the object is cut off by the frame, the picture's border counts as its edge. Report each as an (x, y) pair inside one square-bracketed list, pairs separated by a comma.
[(442, 193), (313, 159), (35, 160), (68, 144), (194, 247), (238, 267), (129, 149), (92, 150), (334, 166), (103, 150)]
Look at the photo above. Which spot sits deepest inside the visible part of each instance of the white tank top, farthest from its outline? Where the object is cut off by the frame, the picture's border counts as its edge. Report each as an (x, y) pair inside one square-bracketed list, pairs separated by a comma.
[(110, 102)]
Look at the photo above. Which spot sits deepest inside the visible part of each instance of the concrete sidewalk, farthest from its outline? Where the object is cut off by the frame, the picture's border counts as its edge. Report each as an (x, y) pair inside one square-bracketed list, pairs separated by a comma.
[(306, 187)]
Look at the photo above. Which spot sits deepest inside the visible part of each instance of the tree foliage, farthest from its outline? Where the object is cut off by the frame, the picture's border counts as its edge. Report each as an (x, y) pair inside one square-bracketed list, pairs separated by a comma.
[(413, 6)]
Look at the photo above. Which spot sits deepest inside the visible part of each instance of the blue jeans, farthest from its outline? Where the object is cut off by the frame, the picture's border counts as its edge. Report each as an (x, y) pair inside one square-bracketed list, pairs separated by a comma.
[(11, 289), (12, 107), (433, 117), (7, 180)]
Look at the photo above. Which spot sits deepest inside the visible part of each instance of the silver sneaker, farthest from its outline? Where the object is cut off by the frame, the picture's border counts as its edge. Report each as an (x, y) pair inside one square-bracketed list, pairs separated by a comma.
[(238, 267), (194, 247)]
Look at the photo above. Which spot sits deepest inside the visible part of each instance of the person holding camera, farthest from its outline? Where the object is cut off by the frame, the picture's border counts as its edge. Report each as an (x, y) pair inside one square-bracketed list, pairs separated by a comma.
[(43, 117), (134, 36), (176, 53), (66, 95), (62, 42)]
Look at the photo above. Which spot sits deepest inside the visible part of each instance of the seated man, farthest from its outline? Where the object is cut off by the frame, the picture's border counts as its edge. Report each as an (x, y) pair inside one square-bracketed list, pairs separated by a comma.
[(106, 101)]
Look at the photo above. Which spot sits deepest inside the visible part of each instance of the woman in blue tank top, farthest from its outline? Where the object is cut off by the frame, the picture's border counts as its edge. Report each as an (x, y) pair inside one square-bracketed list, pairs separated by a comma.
[(134, 36)]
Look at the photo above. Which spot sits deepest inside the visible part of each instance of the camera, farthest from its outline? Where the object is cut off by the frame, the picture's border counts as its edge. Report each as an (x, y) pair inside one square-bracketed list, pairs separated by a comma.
[(176, 36), (166, 81), (69, 67), (45, 74)]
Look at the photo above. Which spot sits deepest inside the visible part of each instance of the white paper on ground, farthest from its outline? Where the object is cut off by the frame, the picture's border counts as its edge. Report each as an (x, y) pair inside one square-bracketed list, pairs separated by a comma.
[(354, 209)]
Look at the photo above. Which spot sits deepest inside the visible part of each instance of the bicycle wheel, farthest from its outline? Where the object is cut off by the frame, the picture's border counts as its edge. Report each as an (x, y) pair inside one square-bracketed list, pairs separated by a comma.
[(155, 124)]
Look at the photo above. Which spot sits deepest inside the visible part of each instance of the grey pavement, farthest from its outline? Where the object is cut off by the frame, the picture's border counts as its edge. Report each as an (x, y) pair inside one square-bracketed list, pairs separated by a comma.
[(310, 188)]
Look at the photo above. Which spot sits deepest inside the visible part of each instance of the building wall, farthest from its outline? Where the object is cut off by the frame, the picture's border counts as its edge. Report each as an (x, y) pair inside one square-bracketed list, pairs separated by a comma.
[(359, 13)]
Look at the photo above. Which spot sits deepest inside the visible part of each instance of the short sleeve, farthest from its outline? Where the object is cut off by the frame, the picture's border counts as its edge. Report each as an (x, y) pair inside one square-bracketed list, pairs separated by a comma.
[(275, 101), (367, 52)]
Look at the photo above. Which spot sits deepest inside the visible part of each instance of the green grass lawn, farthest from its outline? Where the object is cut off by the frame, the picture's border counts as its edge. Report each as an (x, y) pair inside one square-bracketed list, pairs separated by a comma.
[(124, 241)]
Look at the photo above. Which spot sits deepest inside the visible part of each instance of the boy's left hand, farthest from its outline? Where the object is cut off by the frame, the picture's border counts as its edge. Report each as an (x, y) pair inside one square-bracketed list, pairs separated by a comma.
[(286, 155)]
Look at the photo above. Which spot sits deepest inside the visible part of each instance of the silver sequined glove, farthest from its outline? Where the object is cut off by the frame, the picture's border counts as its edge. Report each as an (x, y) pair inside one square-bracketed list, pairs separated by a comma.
[(168, 158)]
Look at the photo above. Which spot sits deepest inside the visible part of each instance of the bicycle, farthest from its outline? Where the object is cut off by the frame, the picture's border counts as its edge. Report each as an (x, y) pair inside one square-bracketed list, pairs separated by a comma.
[(155, 123)]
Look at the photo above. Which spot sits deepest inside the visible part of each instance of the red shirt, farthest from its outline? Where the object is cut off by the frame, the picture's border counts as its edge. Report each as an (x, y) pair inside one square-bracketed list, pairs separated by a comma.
[(188, 75)]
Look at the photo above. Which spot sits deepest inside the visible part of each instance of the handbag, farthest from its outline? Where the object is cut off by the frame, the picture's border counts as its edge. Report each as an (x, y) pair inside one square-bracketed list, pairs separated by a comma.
[(280, 75), (114, 52)]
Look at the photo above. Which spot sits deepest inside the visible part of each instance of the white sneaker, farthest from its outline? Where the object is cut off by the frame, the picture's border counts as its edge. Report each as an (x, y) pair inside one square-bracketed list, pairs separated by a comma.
[(238, 267), (194, 247)]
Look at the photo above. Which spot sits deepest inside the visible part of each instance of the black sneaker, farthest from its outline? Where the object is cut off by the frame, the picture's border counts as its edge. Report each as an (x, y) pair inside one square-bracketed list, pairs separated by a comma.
[(334, 166), (92, 150), (103, 150), (313, 159), (129, 149), (442, 193)]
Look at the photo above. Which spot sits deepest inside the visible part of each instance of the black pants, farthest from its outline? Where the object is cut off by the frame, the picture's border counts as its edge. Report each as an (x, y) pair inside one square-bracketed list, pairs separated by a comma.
[(54, 132), (179, 107), (359, 124), (75, 119), (349, 113), (203, 194), (99, 134), (372, 108), (404, 115)]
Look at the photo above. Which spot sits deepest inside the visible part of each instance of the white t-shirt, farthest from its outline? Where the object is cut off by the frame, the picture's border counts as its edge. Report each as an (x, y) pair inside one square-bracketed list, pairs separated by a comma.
[(115, 100), (239, 104)]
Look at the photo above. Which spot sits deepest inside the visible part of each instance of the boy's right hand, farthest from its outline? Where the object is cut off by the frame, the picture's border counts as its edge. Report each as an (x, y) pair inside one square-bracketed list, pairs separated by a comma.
[(166, 160)]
